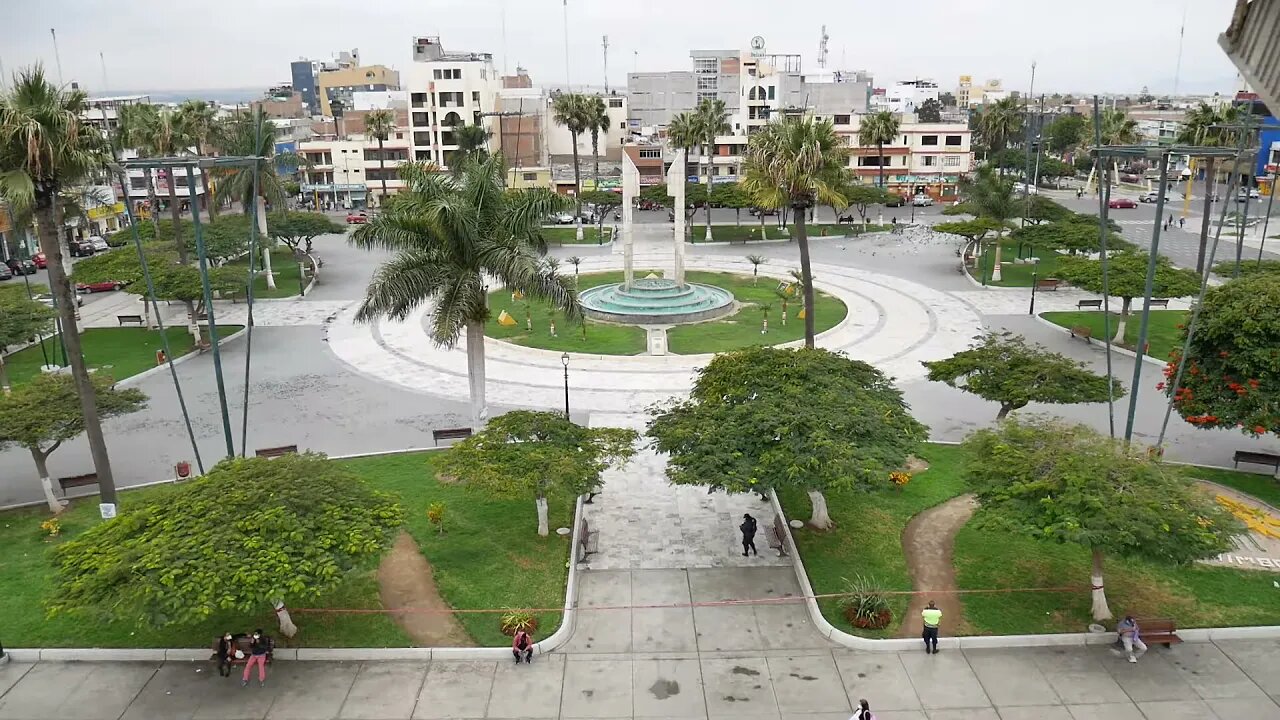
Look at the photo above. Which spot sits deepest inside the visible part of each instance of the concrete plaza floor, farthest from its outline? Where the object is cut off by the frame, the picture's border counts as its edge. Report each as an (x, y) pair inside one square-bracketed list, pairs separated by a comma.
[(741, 661)]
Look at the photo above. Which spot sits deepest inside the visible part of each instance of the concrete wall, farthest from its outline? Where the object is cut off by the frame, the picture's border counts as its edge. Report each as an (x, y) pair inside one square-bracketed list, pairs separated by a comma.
[(654, 98)]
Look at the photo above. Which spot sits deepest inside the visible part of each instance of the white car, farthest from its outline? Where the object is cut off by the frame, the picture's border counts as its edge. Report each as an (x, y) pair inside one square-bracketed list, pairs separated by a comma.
[(564, 218), (99, 245), (1149, 196), (1251, 193), (1024, 188), (922, 201)]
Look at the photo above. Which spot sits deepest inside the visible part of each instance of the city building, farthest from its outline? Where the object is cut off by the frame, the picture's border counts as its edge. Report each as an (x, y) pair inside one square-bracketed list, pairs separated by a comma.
[(560, 142), (304, 75), (905, 96), (649, 159), (1158, 127), (520, 80), (281, 101), (969, 95), (925, 158), (348, 172), (447, 90), (335, 88), (524, 122), (964, 91)]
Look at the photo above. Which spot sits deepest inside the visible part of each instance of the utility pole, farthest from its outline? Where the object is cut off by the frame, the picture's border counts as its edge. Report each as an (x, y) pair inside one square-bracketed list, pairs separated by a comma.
[(568, 84), (103, 62), (1177, 68), (56, 57), (606, 64)]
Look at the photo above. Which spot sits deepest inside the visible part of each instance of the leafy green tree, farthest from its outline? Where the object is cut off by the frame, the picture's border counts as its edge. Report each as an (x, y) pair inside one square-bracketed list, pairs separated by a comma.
[(1127, 277), (802, 417), (730, 195), (992, 197), (525, 452), (960, 208), (45, 147), (1232, 378), (930, 111), (1055, 168), (21, 320), (301, 228), (44, 412), (1069, 484), (602, 198), (450, 234), (1065, 132), (797, 163), (1006, 369), (657, 194), (1227, 268), (975, 230), (1075, 235), (380, 124), (251, 533), (570, 110), (862, 197), (877, 129), (1037, 209), (1000, 123)]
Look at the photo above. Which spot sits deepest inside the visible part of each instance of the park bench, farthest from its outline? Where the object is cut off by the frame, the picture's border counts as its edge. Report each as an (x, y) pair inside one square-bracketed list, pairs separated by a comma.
[(588, 540), (1081, 332), (1158, 631), (122, 319), (1095, 304), (778, 535), (450, 434), (1256, 458), (1048, 284), (243, 643), (275, 452), (77, 481), (1160, 302)]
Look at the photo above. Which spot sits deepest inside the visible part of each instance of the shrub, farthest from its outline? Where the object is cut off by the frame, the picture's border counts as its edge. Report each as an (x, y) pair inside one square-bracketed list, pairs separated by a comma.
[(864, 604)]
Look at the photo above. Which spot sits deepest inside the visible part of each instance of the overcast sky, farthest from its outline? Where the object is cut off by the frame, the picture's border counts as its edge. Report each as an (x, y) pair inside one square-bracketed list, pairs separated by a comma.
[(1079, 45)]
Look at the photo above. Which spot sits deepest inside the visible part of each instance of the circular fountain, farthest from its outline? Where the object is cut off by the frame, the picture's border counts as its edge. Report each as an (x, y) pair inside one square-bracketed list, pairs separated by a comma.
[(656, 301)]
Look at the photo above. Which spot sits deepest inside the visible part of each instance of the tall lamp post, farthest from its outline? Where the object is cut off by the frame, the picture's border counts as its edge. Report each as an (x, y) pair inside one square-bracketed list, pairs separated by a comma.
[(1035, 276), (564, 360)]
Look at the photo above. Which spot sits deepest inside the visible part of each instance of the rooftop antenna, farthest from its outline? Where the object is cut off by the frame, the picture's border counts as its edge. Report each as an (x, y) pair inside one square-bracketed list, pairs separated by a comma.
[(822, 48), (568, 85), (605, 43), (504, 38), (56, 57), (1177, 69), (635, 61), (103, 61)]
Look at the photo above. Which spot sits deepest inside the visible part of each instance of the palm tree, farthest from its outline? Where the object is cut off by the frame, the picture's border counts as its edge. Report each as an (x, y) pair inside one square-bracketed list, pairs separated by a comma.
[(380, 124), (596, 120), (132, 123), (999, 122), (1203, 126), (569, 110), (797, 162), (992, 197), (472, 139), (201, 122), (1118, 128), (44, 148), (877, 129), (713, 120), (451, 232), (683, 133)]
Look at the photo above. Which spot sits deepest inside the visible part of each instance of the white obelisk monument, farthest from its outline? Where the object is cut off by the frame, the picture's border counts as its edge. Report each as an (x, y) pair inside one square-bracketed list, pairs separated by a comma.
[(675, 188), (630, 191)]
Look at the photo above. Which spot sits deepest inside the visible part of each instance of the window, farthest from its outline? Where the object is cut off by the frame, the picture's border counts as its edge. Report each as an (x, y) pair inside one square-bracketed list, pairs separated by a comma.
[(419, 99), (650, 154), (422, 138), (422, 155), (871, 161), (529, 177), (615, 102), (771, 89), (399, 136), (706, 95), (706, 66), (953, 140), (707, 82), (622, 125), (420, 118), (928, 139), (841, 120), (475, 96), (138, 183), (951, 161), (929, 160), (436, 74)]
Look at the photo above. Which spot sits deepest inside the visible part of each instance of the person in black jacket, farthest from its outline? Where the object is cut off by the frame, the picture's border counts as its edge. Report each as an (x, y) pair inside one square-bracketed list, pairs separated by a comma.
[(748, 528), (226, 653)]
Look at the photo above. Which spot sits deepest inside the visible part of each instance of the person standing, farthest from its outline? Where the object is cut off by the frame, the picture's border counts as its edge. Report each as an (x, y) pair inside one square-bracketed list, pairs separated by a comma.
[(1130, 638), (932, 617), (522, 647), (748, 528), (863, 712), (259, 646)]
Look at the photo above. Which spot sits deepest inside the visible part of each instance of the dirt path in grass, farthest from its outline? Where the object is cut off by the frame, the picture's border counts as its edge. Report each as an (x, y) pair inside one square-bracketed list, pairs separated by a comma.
[(404, 581), (927, 542)]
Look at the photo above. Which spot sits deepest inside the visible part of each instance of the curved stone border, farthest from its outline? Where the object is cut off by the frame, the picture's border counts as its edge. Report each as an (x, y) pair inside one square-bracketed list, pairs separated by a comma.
[(568, 621), (315, 276), (836, 635)]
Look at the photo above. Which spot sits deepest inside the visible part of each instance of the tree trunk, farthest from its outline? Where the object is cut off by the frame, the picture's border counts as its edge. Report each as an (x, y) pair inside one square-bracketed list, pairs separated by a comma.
[(287, 628), (1118, 338), (880, 162), (193, 326), (475, 374), (4, 375), (46, 484), (806, 277), (1005, 409), (1208, 210), (266, 268), (737, 217), (995, 262), (60, 286), (595, 155), (709, 150), (382, 173), (154, 211), (821, 519), (541, 504), (763, 234), (1100, 610), (577, 188), (204, 183)]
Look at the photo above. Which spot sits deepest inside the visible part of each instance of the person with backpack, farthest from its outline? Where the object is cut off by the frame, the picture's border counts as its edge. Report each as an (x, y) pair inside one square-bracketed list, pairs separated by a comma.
[(863, 712), (522, 647), (748, 528)]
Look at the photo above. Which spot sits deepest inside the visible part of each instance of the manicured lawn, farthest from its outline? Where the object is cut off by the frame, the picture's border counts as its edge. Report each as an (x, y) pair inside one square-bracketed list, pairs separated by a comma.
[(867, 539), (601, 338), (568, 235), (124, 352), (1015, 274), (743, 328), (283, 266), (489, 557), (1258, 484), (1162, 331)]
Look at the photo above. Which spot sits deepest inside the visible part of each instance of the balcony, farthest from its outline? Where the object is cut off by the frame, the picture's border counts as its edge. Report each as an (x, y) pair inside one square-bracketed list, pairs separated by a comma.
[(1252, 43)]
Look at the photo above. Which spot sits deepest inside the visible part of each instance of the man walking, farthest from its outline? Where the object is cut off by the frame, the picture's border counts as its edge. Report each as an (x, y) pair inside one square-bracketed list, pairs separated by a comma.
[(748, 528), (931, 616), (1130, 638)]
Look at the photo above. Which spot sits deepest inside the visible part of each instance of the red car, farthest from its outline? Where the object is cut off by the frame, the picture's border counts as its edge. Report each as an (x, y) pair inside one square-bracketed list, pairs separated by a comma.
[(1122, 203), (105, 286), (40, 260), (357, 218)]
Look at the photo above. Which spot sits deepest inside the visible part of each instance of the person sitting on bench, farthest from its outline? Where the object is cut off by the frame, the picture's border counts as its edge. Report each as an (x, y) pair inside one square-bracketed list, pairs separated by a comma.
[(226, 653)]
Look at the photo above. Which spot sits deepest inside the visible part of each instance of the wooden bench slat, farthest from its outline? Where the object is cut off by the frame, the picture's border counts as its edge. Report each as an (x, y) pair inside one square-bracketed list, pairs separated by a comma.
[(778, 536), (588, 541), (1254, 457), (450, 434), (122, 319), (275, 452), (1082, 304), (77, 481), (1158, 631)]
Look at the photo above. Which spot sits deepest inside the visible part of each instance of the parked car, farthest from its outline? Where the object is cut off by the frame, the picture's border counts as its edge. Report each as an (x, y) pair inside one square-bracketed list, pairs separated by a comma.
[(1149, 196), (1121, 203), (1020, 188), (5, 272), (105, 286), (21, 267), (80, 248), (1247, 194), (47, 300), (922, 201), (895, 200), (40, 260), (564, 218), (357, 218), (99, 245)]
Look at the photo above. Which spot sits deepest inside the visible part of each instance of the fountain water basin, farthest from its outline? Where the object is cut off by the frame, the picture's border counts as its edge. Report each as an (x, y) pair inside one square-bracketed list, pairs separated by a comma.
[(656, 301)]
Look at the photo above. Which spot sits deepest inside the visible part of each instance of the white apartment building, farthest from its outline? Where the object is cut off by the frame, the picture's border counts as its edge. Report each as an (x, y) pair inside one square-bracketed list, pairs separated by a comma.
[(904, 96), (924, 158), (560, 142), (447, 89), (348, 172)]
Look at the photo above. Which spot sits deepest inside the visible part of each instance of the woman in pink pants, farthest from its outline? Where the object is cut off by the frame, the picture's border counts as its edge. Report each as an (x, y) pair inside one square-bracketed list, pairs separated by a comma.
[(258, 649)]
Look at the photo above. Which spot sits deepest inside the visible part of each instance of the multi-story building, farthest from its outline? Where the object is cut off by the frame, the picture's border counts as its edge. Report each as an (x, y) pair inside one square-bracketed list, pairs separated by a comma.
[(1158, 127), (447, 90), (924, 157), (560, 142), (964, 92), (905, 96), (305, 75), (281, 102), (970, 95), (524, 124), (349, 173), (338, 86), (649, 160)]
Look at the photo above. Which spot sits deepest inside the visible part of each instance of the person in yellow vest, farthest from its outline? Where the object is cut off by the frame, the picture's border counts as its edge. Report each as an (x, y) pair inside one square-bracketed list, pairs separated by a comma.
[(932, 617)]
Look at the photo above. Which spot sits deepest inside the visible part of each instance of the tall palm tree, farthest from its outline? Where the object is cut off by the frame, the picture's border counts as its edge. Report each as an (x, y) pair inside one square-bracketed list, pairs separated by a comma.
[(44, 148), (449, 233), (992, 197), (797, 162), (380, 124), (999, 123), (713, 121), (683, 133), (472, 139), (569, 110), (596, 119), (201, 122), (132, 123), (1118, 128), (877, 129)]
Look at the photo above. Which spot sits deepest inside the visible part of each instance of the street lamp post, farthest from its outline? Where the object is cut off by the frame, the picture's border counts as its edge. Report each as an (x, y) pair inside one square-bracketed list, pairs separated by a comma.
[(1035, 275), (564, 360)]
